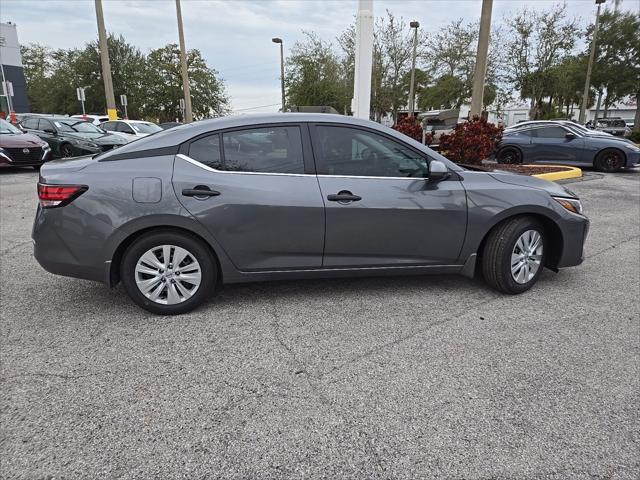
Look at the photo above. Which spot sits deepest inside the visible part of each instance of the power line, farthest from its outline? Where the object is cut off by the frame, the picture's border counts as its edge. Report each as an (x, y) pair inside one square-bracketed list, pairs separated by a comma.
[(254, 108)]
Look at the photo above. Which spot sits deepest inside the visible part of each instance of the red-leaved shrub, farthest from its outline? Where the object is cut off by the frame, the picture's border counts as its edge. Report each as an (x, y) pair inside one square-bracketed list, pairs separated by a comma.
[(410, 126), (471, 142)]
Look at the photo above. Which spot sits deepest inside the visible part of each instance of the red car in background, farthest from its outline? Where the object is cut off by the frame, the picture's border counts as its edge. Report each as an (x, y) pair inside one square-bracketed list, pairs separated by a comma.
[(19, 149)]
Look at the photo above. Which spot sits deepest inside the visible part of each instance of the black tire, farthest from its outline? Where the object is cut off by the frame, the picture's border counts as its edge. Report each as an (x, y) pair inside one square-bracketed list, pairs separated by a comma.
[(509, 155), (167, 237), (66, 150), (496, 255), (609, 160)]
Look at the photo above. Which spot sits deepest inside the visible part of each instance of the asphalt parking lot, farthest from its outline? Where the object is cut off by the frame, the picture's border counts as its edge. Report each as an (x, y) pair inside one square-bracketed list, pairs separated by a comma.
[(418, 377)]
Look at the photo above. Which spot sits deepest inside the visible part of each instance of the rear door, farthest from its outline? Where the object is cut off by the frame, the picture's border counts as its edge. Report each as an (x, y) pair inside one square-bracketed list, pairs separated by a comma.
[(380, 209), (256, 191)]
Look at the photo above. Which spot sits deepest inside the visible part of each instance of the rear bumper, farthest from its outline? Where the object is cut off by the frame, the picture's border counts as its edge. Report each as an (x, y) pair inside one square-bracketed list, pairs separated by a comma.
[(68, 241)]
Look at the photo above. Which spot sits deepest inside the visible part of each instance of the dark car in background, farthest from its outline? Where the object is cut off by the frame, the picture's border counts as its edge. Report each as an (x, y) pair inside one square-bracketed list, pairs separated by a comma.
[(19, 149), (70, 137), (292, 196), (556, 143)]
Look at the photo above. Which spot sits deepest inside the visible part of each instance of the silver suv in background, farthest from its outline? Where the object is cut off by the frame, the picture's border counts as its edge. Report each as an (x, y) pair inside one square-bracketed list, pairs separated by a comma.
[(291, 196), (614, 126)]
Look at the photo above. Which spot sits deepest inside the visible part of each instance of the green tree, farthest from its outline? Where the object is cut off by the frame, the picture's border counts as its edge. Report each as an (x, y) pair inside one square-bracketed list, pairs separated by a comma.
[(163, 84), (537, 42), (616, 70), (315, 75)]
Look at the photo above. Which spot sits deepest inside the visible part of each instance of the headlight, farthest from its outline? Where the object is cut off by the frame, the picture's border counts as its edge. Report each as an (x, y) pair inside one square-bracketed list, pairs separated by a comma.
[(572, 204)]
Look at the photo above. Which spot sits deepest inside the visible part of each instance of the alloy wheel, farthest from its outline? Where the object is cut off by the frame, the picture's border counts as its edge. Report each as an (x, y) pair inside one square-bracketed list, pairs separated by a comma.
[(168, 274), (526, 256)]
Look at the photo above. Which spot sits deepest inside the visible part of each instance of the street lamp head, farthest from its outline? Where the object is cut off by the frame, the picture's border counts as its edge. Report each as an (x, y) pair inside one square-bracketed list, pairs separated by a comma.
[(414, 24), (276, 40)]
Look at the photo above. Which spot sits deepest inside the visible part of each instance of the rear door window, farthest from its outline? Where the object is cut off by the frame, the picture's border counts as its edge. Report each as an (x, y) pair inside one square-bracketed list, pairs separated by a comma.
[(206, 150), (109, 126), (264, 150), (30, 123)]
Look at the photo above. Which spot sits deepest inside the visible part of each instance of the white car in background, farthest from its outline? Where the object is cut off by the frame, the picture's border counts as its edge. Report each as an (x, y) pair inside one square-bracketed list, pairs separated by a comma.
[(131, 128), (95, 119)]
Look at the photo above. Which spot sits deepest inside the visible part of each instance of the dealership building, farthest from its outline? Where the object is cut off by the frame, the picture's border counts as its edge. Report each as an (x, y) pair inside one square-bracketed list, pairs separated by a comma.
[(13, 86)]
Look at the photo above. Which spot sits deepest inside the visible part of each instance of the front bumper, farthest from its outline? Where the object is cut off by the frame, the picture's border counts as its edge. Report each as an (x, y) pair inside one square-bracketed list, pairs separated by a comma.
[(575, 229), (7, 160), (633, 159)]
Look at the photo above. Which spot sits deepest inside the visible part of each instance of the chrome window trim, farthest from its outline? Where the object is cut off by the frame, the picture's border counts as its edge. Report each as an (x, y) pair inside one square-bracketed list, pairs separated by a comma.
[(214, 170), (227, 172)]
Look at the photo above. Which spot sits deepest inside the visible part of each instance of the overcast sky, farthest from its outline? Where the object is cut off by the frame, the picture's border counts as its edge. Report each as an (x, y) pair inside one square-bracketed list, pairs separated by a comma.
[(234, 36)]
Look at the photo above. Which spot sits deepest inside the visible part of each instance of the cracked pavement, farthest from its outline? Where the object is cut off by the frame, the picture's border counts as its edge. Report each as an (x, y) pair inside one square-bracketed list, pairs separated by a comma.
[(403, 377)]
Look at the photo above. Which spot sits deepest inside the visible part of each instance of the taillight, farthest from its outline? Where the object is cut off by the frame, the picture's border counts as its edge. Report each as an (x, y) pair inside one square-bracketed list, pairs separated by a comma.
[(59, 195)]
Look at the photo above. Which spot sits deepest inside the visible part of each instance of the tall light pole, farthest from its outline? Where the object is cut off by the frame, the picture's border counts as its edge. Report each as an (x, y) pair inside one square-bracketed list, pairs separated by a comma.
[(188, 115), (412, 97), (587, 81), (112, 113), (279, 40), (361, 103), (480, 73)]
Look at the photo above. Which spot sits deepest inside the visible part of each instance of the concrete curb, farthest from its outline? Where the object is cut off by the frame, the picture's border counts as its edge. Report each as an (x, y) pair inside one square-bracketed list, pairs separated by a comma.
[(572, 172)]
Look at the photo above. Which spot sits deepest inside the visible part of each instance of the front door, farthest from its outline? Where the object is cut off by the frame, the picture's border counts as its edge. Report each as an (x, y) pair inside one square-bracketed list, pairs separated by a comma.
[(552, 145), (251, 189), (380, 209)]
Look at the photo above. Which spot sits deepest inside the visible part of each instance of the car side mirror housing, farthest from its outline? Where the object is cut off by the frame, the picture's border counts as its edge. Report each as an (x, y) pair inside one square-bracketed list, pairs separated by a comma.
[(49, 130), (569, 136), (438, 171)]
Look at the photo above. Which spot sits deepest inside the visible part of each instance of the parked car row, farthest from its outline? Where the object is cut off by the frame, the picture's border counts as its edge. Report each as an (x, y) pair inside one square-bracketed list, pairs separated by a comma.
[(38, 138), (567, 143)]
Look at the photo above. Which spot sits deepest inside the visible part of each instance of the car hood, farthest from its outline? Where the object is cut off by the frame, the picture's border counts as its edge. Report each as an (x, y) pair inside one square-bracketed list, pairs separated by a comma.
[(551, 188), (20, 140), (99, 138)]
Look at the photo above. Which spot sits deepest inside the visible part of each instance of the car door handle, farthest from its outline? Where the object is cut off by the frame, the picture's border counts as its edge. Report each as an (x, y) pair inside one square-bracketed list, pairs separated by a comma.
[(200, 191), (343, 196)]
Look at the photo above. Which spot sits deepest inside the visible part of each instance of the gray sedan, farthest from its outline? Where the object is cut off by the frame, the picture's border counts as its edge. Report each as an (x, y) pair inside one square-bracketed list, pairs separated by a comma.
[(561, 143), (288, 196)]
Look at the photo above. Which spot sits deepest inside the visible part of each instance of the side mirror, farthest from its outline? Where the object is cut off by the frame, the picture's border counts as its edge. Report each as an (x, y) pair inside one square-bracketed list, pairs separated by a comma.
[(49, 130), (438, 171), (570, 136)]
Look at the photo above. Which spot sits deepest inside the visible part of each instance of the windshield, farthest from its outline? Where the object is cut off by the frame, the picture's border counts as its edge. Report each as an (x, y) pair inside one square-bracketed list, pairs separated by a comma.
[(145, 127), (76, 126), (7, 129)]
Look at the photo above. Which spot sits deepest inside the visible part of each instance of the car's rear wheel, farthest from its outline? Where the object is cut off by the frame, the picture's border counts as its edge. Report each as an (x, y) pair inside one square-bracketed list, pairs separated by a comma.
[(513, 255), (510, 155), (609, 160), (66, 150), (168, 273)]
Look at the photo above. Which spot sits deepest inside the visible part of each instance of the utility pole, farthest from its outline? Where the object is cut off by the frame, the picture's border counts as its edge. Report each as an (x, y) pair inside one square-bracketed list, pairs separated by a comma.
[(587, 82), (361, 105), (279, 40), (480, 73), (188, 116), (412, 96), (112, 113)]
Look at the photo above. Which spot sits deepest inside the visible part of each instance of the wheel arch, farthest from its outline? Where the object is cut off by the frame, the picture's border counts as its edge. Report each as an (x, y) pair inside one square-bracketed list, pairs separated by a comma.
[(113, 274), (510, 145), (554, 244), (597, 154)]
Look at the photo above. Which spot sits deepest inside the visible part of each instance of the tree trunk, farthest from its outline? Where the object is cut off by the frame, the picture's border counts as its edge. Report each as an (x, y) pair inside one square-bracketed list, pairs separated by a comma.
[(598, 104)]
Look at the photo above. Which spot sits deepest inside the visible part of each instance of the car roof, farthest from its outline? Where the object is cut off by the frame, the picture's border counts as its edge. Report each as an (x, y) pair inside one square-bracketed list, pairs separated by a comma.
[(182, 133)]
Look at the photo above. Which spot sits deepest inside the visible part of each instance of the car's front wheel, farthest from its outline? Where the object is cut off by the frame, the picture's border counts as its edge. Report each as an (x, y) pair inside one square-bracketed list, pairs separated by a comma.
[(513, 255), (66, 150), (168, 272), (609, 160)]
